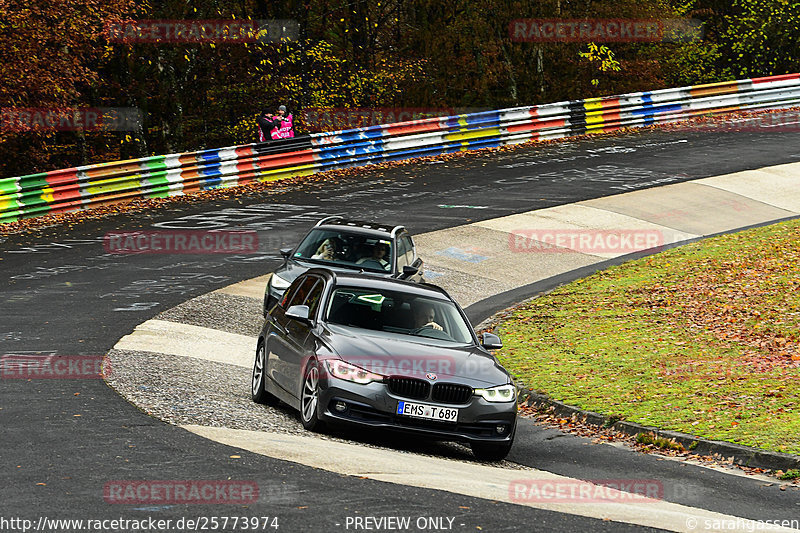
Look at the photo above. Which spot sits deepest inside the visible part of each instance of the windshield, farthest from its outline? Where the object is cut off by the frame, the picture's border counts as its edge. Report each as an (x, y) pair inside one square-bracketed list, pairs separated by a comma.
[(344, 249), (398, 312)]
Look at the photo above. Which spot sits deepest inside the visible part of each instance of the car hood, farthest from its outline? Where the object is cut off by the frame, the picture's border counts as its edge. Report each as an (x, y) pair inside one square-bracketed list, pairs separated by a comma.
[(402, 355)]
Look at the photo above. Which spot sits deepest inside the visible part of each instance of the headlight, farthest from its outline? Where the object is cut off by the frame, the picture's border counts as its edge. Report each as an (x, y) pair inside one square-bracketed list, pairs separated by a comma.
[(503, 393), (349, 372), (279, 283)]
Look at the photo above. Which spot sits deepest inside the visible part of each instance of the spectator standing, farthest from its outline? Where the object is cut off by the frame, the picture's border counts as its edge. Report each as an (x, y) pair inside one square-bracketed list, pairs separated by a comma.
[(277, 126)]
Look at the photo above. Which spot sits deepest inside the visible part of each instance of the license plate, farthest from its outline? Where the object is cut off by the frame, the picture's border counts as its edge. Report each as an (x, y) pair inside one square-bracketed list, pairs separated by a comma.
[(428, 412)]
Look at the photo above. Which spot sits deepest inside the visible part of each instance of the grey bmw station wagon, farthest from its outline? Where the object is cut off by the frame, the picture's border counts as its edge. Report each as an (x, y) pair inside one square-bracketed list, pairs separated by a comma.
[(353, 349)]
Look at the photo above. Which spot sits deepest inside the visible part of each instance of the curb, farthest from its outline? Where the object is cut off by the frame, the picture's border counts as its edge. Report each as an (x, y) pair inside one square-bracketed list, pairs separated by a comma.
[(735, 453)]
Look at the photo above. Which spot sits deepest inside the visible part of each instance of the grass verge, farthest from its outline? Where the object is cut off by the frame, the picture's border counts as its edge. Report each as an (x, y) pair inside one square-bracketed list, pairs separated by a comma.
[(701, 339)]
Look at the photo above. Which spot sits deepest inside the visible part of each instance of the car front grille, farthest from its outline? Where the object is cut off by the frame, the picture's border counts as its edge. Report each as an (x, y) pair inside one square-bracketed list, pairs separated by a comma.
[(416, 389), (451, 393)]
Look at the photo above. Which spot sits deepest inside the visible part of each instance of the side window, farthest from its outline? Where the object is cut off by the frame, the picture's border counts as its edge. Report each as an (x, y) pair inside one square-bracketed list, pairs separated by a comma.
[(402, 251), (312, 301), (302, 291), (288, 293)]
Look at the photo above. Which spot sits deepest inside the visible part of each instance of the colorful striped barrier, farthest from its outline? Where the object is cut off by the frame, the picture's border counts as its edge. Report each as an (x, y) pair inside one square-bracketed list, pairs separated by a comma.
[(169, 175)]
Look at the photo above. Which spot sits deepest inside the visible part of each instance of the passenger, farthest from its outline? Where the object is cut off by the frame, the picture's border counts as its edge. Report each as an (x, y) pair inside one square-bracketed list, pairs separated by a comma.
[(379, 253), (424, 315), (329, 250)]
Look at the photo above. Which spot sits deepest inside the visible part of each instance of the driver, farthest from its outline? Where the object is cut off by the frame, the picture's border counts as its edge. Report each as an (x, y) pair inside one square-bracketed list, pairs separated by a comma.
[(424, 315), (379, 253)]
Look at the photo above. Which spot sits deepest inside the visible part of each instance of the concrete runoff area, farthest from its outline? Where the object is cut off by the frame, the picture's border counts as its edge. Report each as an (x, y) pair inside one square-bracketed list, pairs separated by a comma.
[(478, 260), (775, 186), (678, 206)]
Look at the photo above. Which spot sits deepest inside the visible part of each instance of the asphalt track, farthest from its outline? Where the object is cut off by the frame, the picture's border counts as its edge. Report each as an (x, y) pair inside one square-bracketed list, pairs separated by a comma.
[(63, 295)]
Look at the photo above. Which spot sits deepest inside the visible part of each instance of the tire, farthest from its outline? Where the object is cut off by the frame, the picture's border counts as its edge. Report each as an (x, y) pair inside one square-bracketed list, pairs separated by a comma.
[(309, 399), (257, 390)]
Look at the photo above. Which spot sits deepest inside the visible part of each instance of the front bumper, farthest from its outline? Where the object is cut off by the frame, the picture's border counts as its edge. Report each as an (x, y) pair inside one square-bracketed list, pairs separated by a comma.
[(374, 406)]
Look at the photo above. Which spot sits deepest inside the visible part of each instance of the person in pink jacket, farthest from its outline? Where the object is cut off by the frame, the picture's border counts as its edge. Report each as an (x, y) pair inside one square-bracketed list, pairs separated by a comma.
[(278, 126)]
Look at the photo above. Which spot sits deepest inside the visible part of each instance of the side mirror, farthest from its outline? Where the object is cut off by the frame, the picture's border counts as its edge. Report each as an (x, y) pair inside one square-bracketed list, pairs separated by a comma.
[(409, 271), (286, 252), (298, 312), (490, 341)]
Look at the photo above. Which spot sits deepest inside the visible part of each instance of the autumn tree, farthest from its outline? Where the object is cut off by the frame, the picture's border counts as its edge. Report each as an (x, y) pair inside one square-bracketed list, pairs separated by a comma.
[(344, 54), (762, 37), (49, 56)]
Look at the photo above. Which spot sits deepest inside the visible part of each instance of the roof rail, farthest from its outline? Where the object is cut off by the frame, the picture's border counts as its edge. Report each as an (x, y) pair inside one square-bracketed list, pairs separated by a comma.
[(328, 219)]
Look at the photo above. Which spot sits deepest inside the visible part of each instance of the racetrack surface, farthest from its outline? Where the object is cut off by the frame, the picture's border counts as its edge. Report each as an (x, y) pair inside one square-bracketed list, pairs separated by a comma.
[(201, 347), (63, 295)]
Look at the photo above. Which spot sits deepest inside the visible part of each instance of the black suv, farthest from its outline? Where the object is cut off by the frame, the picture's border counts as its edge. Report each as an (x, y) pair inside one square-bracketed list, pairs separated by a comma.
[(351, 246)]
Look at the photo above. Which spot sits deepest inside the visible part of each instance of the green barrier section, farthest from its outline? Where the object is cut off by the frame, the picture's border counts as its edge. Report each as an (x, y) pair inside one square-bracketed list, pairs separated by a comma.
[(154, 182), (33, 192), (9, 206)]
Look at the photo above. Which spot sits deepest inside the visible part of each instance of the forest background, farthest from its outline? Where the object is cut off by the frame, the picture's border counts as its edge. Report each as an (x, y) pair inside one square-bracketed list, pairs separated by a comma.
[(420, 55)]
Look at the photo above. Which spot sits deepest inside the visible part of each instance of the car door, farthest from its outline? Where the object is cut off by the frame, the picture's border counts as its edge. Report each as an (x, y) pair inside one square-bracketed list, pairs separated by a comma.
[(301, 332), (287, 336)]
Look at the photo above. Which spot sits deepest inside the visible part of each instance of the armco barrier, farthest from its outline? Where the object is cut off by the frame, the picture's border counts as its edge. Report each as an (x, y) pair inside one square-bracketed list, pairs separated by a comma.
[(160, 176)]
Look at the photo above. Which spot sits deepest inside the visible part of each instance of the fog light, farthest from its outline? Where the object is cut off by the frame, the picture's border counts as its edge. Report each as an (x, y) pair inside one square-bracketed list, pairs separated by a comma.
[(340, 406), (500, 429)]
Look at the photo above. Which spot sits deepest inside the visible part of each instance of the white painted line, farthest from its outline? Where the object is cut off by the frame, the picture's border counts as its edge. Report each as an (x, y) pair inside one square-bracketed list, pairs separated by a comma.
[(476, 480), (184, 340)]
